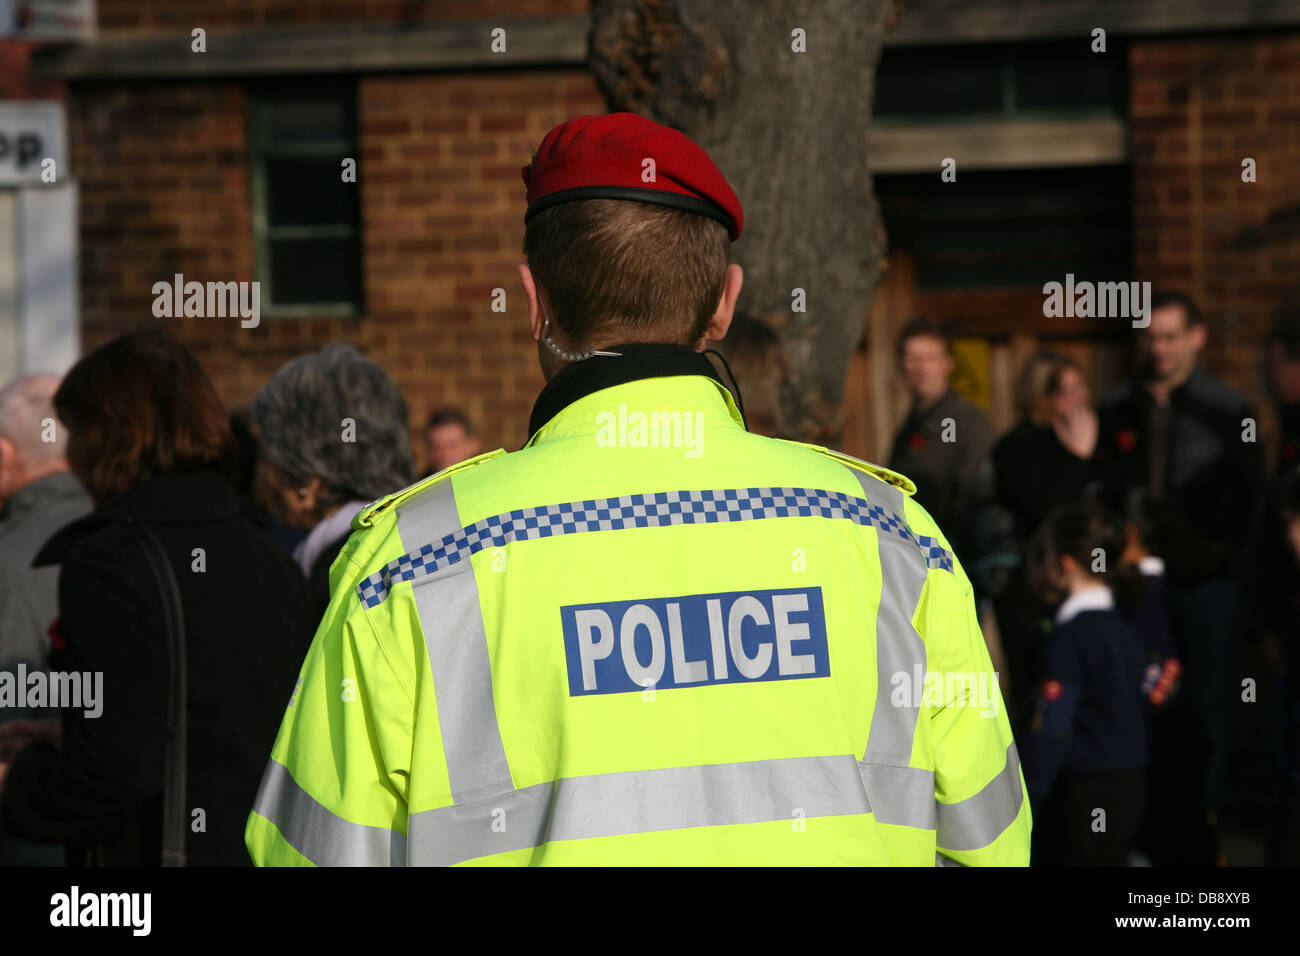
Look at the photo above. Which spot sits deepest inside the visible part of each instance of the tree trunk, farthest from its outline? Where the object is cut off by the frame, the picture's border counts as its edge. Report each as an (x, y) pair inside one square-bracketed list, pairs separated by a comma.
[(788, 130)]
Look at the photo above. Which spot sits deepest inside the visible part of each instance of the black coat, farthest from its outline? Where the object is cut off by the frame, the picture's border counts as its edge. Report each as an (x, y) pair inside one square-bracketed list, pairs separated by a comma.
[(1214, 480), (1035, 474), (248, 622), (949, 469)]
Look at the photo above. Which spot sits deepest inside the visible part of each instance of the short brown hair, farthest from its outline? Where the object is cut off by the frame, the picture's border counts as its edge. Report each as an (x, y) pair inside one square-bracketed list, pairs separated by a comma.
[(1164, 298), (141, 406), (450, 416), (613, 267), (920, 326)]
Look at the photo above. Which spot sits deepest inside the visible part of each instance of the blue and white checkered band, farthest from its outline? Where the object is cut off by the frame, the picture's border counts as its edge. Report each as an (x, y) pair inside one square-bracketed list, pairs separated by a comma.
[(644, 511)]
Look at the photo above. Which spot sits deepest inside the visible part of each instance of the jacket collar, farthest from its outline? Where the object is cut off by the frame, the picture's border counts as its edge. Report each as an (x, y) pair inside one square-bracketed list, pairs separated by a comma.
[(165, 499), (916, 416), (635, 362), (45, 490), (1194, 384)]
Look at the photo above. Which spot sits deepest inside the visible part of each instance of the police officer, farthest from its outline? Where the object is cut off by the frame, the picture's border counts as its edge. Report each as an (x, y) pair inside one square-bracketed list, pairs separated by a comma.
[(649, 636)]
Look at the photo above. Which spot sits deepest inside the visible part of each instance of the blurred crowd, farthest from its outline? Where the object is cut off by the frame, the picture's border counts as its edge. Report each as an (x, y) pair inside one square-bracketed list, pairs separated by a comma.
[(1119, 551), (251, 510)]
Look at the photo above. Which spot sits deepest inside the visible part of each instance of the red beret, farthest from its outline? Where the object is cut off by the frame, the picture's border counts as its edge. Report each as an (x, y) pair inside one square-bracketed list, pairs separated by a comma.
[(603, 157)]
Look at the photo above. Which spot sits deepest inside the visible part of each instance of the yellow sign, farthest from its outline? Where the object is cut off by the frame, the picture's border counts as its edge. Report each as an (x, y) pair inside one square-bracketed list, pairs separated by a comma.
[(970, 376)]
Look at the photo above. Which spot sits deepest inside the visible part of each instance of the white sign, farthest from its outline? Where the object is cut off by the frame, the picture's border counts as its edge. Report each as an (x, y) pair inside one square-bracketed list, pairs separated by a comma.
[(31, 133), (47, 19)]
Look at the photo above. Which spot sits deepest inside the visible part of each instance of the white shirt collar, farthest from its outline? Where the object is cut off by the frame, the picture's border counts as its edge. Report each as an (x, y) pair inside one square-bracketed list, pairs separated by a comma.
[(324, 534), (1152, 566), (1089, 599)]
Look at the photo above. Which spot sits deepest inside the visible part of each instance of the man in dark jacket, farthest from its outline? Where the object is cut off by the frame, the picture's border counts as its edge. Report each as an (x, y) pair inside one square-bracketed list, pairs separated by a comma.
[(1188, 441), (38, 496), (943, 445)]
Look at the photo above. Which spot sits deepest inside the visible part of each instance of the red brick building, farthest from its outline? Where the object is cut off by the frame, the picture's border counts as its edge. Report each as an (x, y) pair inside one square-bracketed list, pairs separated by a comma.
[(199, 163)]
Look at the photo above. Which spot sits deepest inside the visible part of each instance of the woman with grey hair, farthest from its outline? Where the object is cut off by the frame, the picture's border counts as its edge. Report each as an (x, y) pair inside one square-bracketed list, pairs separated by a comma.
[(333, 437)]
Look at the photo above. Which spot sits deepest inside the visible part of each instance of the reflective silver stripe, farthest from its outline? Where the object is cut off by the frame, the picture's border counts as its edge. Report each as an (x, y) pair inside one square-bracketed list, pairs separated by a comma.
[(979, 820), (898, 647), (901, 796), (317, 832), (456, 641), (639, 801)]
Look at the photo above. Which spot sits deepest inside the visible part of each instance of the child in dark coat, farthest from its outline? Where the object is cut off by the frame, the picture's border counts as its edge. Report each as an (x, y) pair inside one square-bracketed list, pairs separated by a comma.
[(1086, 756)]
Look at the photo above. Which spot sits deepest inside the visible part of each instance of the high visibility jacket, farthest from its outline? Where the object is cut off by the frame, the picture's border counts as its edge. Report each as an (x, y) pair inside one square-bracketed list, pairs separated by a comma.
[(648, 637)]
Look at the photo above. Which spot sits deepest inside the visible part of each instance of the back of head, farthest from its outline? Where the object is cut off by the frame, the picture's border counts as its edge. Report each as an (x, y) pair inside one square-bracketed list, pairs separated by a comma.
[(756, 356), (141, 406), (28, 420), (626, 231), (622, 271), (335, 415), (1091, 535)]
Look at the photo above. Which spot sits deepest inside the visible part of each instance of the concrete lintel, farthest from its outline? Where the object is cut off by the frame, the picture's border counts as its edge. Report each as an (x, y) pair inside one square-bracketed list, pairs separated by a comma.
[(997, 144), (379, 48)]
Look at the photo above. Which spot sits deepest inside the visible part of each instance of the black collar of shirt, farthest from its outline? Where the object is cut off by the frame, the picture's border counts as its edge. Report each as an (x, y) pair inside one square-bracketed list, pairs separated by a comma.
[(636, 361)]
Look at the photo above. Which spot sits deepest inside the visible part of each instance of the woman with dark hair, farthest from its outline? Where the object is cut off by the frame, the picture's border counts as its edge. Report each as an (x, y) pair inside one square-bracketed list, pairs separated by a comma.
[(151, 442), (1043, 463), (333, 437), (1088, 743)]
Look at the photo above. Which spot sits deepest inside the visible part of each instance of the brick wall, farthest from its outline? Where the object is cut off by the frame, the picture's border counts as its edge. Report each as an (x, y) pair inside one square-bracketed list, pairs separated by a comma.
[(1199, 107), (163, 170)]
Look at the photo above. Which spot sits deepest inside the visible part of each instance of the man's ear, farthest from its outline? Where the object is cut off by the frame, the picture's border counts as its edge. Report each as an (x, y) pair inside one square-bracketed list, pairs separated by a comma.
[(720, 321), (8, 466), (1198, 337), (530, 290)]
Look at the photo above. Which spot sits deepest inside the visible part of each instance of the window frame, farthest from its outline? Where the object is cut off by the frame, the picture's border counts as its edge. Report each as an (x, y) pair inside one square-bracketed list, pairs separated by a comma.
[(259, 96)]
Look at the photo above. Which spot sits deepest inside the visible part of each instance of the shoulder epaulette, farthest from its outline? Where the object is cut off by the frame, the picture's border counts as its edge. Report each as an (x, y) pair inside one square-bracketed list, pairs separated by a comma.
[(884, 474), (371, 512)]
